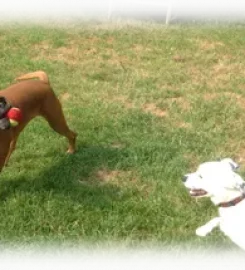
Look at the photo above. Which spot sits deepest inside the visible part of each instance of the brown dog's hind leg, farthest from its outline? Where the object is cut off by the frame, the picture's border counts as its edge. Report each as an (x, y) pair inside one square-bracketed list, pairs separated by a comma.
[(52, 112)]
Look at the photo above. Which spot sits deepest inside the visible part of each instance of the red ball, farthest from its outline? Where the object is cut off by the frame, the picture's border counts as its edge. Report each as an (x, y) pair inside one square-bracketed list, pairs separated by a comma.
[(15, 114)]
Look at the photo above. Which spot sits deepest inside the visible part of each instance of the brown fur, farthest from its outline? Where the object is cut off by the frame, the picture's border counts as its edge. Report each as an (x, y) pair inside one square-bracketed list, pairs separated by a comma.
[(34, 98)]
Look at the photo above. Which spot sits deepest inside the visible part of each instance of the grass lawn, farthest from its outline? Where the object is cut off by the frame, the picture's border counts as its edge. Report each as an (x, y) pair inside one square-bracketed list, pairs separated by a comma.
[(150, 103)]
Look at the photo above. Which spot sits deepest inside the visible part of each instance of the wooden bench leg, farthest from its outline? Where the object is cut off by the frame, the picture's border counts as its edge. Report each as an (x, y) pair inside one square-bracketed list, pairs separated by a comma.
[(169, 11), (111, 6)]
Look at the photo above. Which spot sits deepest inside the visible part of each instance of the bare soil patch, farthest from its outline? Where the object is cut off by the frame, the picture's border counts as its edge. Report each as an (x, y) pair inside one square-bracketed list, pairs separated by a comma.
[(209, 45)]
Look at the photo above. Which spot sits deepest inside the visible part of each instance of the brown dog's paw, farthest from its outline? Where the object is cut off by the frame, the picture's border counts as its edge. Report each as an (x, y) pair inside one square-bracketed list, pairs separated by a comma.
[(70, 151), (72, 143)]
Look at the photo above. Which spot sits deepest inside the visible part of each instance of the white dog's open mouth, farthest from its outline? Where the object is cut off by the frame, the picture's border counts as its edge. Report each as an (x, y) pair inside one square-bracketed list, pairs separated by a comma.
[(197, 192)]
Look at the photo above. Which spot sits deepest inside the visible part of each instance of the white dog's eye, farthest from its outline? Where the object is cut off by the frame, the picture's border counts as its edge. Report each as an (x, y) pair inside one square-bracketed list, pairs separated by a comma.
[(199, 176)]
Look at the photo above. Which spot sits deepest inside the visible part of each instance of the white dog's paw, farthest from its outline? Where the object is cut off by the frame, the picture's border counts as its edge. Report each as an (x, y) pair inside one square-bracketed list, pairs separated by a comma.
[(202, 231)]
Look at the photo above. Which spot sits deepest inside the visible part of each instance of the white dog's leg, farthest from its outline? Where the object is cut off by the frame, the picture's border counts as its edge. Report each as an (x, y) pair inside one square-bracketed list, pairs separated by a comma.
[(208, 227)]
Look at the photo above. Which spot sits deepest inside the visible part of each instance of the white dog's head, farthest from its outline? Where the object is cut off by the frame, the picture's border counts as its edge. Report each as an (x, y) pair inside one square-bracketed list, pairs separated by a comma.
[(217, 180)]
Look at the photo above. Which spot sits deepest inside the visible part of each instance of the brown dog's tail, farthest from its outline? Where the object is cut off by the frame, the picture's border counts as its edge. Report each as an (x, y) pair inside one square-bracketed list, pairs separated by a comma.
[(41, 75)]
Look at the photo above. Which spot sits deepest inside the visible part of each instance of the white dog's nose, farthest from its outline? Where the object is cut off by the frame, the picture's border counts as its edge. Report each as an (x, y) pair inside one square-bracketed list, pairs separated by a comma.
[(184, 178)]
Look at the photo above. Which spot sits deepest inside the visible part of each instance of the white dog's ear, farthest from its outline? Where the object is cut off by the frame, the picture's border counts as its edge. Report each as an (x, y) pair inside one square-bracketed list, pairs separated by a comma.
[(241, 187), (232, 163)]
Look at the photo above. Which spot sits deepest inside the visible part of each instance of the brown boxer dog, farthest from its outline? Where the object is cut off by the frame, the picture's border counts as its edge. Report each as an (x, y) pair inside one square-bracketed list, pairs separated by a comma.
[(33, 98)]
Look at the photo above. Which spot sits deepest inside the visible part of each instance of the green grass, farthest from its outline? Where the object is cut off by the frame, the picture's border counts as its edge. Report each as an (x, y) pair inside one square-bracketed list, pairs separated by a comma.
[(149, 103)]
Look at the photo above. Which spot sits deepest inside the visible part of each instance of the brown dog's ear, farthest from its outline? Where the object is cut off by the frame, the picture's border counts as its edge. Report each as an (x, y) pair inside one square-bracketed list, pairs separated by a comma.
[(4, 106)]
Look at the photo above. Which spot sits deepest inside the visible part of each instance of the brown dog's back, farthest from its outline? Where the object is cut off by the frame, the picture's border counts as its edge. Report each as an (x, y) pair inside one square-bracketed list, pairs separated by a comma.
[(29, 95)]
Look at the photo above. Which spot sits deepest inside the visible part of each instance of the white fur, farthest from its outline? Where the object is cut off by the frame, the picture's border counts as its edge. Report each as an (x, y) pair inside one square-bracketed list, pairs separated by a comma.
[(222, 184)]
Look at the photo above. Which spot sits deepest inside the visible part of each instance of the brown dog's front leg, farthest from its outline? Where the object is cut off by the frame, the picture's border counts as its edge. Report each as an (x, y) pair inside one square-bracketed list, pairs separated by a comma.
[(10, 151), (4, 149)]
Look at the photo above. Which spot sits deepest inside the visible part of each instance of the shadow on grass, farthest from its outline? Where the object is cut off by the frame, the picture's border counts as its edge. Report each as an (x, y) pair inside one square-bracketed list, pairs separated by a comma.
[(73, 178)]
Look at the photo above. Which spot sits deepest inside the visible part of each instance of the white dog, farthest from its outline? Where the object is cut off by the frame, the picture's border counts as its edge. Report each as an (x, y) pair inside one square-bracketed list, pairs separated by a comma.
[(226, 189)]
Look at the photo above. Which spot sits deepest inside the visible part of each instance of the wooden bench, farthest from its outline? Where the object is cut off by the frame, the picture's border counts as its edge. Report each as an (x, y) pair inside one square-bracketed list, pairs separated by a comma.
[(164, 3)]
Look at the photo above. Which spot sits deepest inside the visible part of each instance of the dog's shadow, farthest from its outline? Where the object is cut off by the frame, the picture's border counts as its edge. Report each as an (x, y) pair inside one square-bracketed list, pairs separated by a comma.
[(74, 177)]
